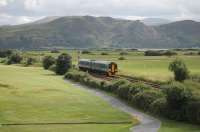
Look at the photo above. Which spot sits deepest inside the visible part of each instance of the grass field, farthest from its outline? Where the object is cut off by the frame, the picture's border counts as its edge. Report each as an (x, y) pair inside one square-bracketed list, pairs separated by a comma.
[(136, 64), (33, 95), (173, 126)]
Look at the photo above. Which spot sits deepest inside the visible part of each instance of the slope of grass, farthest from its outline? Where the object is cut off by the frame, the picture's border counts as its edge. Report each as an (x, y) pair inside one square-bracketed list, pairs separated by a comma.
[(173, 126), (32, 95)]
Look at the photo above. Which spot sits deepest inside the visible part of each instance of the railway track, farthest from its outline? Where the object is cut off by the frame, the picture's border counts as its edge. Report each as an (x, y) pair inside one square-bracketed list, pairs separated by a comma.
[(129, 78)]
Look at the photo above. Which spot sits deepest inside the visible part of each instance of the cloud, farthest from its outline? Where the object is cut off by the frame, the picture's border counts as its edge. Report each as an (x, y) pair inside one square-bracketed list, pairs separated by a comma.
[(170, 9)]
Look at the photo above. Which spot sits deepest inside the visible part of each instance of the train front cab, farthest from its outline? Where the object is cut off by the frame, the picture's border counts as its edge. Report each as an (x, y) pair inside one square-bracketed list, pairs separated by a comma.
[(112, 69)]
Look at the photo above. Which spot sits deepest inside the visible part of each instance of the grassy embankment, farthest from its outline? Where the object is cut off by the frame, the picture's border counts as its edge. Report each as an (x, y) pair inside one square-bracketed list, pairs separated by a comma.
[(33, 95)]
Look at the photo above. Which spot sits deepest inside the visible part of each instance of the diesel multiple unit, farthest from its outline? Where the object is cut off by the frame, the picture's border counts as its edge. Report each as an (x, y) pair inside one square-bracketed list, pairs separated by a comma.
[(102, 67)]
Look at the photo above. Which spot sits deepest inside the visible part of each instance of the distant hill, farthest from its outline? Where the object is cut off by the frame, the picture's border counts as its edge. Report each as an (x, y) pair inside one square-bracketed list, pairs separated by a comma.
[(99, 32), (155, 21)]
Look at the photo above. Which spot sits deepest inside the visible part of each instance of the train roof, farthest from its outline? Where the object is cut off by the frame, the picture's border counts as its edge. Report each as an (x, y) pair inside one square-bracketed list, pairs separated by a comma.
[(97, 61)]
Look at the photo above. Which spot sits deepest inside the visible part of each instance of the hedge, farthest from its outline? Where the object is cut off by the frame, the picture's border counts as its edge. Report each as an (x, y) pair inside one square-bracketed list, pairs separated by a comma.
[(159, 102)]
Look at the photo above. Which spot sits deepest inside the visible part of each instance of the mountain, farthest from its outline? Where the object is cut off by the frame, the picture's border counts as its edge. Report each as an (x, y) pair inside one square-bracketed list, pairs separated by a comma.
[(99, 32), (155, 21)]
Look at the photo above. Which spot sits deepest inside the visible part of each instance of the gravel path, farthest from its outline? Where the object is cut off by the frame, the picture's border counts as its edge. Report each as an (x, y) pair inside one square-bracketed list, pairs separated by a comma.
[(147, 123)]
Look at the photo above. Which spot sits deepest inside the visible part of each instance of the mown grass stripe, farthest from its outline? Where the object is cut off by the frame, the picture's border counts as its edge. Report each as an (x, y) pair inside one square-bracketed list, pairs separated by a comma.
[(64, 123)]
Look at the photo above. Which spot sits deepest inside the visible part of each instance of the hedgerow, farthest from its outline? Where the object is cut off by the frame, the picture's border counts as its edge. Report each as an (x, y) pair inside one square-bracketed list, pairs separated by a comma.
[(174, 101)]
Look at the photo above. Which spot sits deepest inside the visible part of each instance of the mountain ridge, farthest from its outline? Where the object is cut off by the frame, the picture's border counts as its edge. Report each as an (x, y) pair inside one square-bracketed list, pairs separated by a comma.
[(99, 32)]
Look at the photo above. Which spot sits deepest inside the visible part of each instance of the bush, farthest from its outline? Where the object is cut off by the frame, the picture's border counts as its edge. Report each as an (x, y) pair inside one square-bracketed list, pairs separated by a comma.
[(29, 61), (144, 99), (159, 107), (121, 58), (48, 61), (177, 95), (55, 51), (193, 111), (159, 53), (123, 53), (52, 68), (63, 64), (14, 59), (104, 53), (86, 52), (199, 53), (180, 70), (5, 53)]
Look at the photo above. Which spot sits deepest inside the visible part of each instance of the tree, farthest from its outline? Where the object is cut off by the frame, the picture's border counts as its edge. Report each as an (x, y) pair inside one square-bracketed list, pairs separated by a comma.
[(177, 95), (14, 59), (180, 70), (30, 61), (48, 61), (63, 64), (5, 53)]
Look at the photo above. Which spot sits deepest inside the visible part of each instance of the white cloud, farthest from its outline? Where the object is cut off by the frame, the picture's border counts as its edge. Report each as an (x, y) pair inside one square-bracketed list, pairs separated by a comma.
[(3, 3), (171, 9), (12, 20)]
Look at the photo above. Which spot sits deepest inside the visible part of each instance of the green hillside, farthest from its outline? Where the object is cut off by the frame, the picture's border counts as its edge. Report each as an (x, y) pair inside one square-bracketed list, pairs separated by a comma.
[(99, 32)]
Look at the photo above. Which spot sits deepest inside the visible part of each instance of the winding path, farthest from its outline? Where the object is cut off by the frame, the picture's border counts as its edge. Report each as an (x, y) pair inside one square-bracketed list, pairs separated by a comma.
[(147, 123)]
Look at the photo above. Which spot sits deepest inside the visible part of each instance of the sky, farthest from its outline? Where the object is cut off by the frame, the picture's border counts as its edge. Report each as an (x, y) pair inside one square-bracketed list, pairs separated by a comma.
[(23, 11)]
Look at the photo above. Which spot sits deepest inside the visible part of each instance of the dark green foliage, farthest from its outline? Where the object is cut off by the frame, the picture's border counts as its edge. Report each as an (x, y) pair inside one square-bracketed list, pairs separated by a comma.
[(14, 59), (193, 111), (5, 53), (55, 51), (174, 103), (144, 99), (159, 53), (86, 52), (159, 106), (121, 58), (199, 53), (52, 68), (48, 61), (177, 95), (104, 53), (63, 64), (30, 61), (180, 70), (123, 53)]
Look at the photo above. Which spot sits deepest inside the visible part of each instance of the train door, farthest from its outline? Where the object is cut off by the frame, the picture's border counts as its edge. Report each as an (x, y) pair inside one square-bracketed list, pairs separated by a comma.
[(112, 68)]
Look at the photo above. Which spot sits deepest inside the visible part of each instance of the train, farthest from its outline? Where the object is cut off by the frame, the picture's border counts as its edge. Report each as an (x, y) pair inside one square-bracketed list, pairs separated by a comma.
[(101, 67)]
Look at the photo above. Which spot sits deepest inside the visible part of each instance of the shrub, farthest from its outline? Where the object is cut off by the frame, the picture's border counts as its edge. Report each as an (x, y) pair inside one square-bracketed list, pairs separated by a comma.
[(48, 61), (193, 111), (159, 106), (180, 70), (123, 91), (63, 64), (55, 51), (121, 58), (199, 53), (5, 53), (30, 61), (136, 88), (52, 68), (144, 99), (116, 84), (160, 53), (123, 53), (86, 52), (14, 59), (177, 95), (104, 53)]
